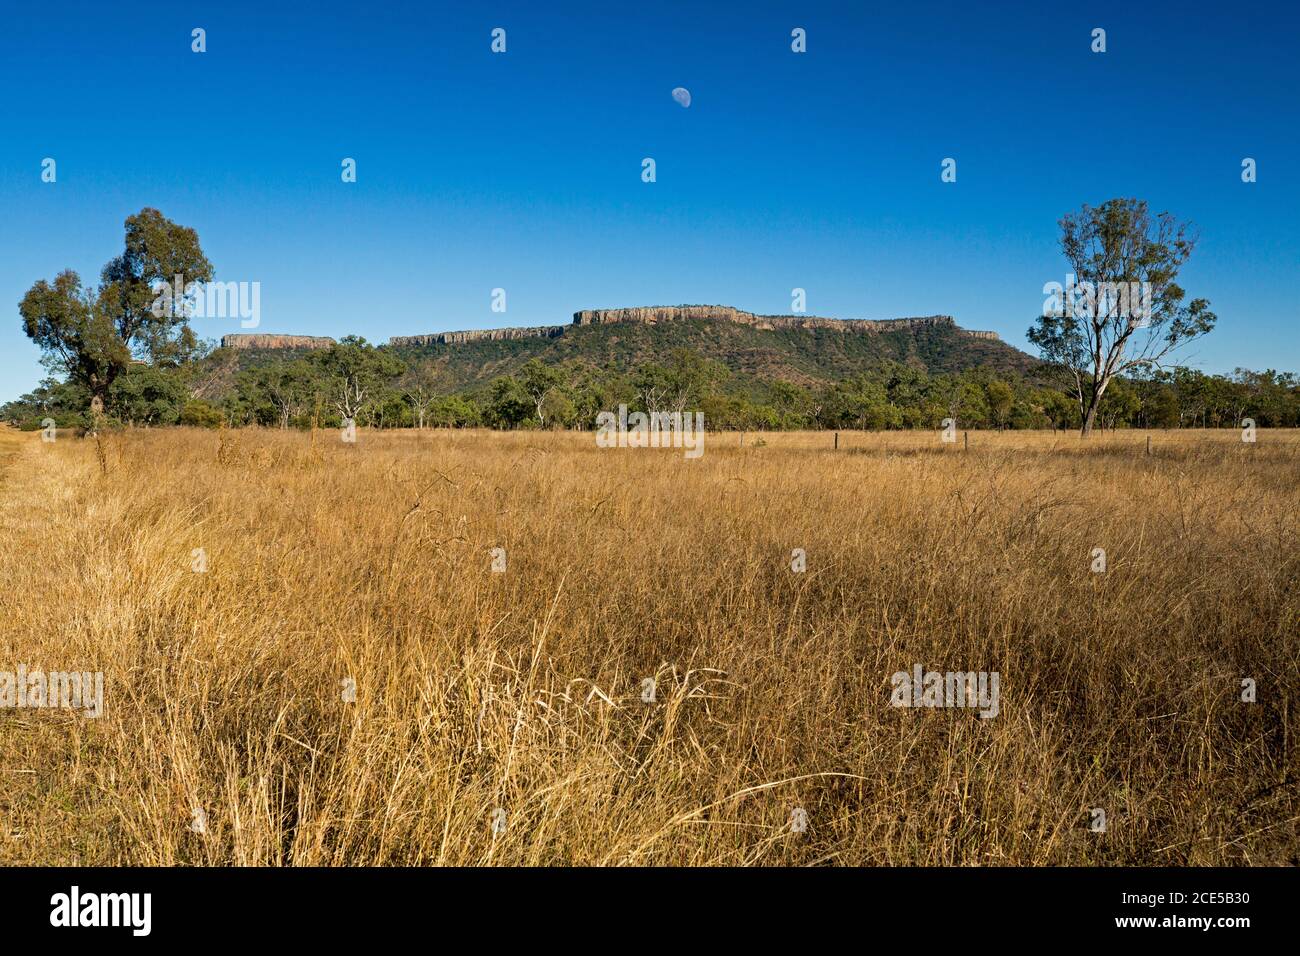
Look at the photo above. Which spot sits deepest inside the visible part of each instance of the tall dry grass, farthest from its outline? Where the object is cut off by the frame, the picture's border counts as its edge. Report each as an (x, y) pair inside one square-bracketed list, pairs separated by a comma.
[(522, 690)]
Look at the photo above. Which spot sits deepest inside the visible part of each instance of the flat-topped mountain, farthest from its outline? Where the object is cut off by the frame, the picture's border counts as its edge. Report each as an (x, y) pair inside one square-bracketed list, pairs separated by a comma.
[(803, 349), (655, 315)]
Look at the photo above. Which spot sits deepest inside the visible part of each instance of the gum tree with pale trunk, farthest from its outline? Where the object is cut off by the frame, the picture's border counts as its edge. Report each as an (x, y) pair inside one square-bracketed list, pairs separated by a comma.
[(1131, 315)]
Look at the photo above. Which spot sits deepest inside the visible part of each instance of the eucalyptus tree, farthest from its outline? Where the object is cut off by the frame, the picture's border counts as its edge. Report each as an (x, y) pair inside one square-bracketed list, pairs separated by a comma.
[(1122, 309), (92, 334)]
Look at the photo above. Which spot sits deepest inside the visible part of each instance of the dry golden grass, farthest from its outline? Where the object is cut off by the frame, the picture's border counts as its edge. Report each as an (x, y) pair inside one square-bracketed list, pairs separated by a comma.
[(477, 690)]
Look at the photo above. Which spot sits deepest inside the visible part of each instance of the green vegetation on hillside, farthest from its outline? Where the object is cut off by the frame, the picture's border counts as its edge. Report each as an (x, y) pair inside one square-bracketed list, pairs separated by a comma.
[(435, 387), (805, 356)]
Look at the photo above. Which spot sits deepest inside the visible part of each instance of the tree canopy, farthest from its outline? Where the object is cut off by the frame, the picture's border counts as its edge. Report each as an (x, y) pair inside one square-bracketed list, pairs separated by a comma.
[(92, 335)]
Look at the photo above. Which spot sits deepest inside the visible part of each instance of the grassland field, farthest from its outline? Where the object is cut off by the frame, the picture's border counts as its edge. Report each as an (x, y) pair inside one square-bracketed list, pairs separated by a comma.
[(309, 659)]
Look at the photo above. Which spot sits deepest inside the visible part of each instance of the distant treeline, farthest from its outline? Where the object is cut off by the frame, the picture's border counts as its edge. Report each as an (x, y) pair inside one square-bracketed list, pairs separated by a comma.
[(383, 388)]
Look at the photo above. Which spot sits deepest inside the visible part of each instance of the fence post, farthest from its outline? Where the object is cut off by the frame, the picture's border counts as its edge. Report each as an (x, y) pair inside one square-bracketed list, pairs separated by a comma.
[(965, 439), (837, 441), (1148, 446)]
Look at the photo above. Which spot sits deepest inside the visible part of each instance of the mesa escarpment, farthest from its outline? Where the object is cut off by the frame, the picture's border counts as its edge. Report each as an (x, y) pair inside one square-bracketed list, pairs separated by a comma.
[(654, 315), (725, 313), (247, 340), (647, 315), (476, 335), (802, 349)]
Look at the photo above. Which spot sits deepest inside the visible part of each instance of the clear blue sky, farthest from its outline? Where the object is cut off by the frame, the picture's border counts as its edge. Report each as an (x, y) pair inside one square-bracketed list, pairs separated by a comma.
[(523, 170)]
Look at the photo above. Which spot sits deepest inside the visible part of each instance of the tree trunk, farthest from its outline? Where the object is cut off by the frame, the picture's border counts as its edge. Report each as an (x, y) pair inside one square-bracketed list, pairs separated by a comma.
[(1094, 403), (1089, 420)]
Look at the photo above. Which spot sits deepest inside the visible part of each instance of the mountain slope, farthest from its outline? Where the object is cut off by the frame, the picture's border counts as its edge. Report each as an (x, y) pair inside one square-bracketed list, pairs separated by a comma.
[(802, 351), (758, 349)]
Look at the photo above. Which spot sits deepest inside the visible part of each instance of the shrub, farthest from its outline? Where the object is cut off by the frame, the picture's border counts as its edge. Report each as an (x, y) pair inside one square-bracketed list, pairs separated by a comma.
[(202, 414)]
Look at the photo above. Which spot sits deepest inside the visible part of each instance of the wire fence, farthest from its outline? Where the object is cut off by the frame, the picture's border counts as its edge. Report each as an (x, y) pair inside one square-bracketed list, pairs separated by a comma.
[(1139, 441)]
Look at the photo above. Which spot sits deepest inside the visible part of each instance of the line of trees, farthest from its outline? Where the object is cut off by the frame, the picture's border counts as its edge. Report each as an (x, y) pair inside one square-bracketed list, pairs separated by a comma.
[(115, 355), (379, 388)]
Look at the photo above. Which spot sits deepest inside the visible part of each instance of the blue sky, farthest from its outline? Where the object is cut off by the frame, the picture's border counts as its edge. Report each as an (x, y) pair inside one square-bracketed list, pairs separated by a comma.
[(523, 170)]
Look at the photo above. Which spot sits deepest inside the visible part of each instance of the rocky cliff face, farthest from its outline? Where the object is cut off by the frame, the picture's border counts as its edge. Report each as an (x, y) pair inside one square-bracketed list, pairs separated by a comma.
[(652, 315), (725, 313), (649, 315), (244, 340), (475, 335)]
